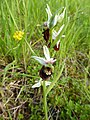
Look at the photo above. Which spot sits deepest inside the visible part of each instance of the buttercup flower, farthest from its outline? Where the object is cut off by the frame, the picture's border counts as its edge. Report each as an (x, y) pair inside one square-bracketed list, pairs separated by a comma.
[(53, 19), (18, 35), (47, 60), (40, 83)]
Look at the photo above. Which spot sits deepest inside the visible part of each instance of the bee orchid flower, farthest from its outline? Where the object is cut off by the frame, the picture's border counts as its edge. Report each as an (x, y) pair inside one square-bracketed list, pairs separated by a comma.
[(53, 18), (55, 35), (47, 60)]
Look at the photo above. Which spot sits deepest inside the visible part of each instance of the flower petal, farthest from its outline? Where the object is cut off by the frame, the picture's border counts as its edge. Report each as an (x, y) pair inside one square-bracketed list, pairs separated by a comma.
[(37, 85), (46, 52), (55, 20), (46, 83), (40, 60), (48, 12), (54, 34), (58, 42), (61, 16), (52, 60)]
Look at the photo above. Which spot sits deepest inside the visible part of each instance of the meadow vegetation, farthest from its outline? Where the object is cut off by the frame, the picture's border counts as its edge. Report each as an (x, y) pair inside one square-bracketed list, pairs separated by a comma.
[(69, 98)]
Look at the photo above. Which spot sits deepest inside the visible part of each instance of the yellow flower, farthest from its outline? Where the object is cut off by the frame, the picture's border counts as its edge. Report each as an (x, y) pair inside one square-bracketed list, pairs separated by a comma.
[(18, 35)]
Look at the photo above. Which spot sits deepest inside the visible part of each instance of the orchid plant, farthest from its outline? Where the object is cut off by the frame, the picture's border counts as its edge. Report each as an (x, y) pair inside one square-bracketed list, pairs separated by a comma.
[(47, 61)]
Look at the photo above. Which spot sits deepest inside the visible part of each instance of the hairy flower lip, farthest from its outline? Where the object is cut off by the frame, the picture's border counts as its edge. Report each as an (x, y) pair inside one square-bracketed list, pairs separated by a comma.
[(45, 72), (46, 34)]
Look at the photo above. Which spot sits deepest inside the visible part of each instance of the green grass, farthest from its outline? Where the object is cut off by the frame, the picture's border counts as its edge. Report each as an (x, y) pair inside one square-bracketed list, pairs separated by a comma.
[(69, 99)]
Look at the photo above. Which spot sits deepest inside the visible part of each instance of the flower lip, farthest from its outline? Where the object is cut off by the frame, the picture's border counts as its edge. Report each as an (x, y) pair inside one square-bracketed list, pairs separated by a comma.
[(45, 73), (46, 34), (57, 46)]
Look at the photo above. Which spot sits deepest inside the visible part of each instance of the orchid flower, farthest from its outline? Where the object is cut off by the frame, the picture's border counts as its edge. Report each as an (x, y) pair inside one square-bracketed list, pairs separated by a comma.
[(47, 60), (55, 35), (61, 16), (40, 83), (53, 19)]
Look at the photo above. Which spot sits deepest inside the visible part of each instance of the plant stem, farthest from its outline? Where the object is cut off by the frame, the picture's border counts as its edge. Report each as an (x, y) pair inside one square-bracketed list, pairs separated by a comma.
[(30, 47), (45, 100)]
